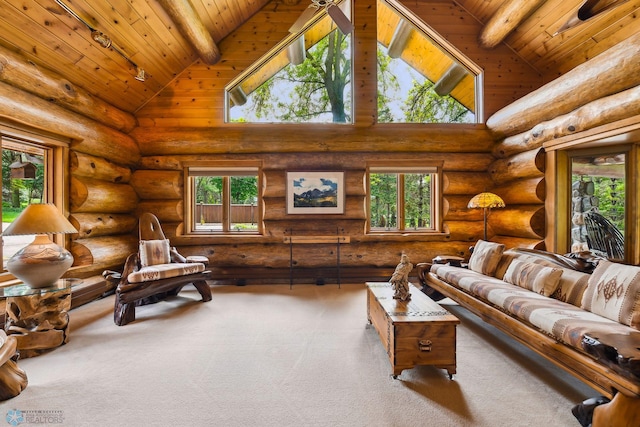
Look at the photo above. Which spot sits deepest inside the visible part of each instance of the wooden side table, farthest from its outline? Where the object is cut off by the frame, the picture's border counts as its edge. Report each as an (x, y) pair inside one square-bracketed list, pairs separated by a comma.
[(38, 317)]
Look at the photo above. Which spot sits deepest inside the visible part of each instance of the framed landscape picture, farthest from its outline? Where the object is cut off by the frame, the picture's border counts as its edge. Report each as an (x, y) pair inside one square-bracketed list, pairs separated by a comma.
[(315, 192)]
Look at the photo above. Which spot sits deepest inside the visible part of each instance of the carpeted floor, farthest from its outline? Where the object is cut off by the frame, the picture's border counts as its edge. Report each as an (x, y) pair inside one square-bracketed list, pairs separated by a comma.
[(266, 355)]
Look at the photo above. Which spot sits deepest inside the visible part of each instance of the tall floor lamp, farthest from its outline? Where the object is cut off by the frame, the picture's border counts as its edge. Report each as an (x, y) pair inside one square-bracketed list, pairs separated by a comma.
[(486, 201)]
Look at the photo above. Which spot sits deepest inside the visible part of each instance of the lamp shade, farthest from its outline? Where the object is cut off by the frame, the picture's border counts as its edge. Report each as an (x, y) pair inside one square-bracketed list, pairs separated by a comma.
[(486, 200), (39, 218), (42, 262)]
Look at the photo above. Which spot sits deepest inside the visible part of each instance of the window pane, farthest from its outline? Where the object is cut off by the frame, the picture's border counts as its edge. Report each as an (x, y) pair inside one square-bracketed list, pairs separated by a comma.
[(244, 199), (421, 78), (384, 199), (417, 201), (598, 204), (208, 212), (23, 183), (317, 90)]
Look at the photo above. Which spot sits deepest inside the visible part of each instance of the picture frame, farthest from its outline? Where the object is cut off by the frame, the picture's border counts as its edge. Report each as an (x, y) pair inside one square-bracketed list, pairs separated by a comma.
[(315, 192)]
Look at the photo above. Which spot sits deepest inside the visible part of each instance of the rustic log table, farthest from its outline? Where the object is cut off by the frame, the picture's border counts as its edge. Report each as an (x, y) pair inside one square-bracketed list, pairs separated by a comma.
[(414, 332), (38, 317)]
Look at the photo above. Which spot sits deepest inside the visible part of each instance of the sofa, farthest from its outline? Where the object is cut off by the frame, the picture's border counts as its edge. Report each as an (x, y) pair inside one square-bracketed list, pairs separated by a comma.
[(581, 313)]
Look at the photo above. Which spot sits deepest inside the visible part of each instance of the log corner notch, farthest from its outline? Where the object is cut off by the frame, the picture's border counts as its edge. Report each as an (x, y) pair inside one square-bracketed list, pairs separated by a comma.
[(193, 29), (506, 19)]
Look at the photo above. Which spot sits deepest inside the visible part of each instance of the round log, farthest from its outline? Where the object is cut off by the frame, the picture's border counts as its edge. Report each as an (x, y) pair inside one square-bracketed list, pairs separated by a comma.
[(617, 66), (467, 183), (106, 251), (467, 231), (295, 139), (529, 164), (165, 210), (162, 162), (87, 136), (522, 191), (602, 111), (158, 184), (102, 224), (91, 195), (458, 210), (526, 221), (98, 168), (510, 242), (508, 16), (192, 28), (22, 73)]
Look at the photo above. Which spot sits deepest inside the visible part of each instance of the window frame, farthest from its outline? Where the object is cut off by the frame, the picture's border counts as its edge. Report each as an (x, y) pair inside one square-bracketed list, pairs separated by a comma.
[(56, 162), (226, 169), (407, 167)]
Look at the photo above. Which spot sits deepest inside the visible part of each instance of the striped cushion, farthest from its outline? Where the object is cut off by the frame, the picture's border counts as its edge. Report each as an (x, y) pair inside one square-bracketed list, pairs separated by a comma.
[(164, 271), (534, 277), (153, 252), (485, 257), (614, 292)]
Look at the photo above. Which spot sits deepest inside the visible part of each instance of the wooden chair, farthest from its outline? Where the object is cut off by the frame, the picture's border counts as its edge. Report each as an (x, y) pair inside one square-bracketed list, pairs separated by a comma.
[(155, 272)]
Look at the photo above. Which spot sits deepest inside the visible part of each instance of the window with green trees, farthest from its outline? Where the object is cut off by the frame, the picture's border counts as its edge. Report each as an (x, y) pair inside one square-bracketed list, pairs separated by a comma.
[(598, 203), (403, 199), (223, 200), (307, 79)]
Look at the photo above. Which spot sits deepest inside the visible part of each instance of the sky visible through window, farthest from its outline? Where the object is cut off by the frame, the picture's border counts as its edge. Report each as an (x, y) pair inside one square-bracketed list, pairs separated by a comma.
[(397, 95)]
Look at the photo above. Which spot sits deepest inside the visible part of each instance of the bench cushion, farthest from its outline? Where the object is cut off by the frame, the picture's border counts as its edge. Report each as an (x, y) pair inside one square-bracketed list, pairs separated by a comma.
[(164, 271)]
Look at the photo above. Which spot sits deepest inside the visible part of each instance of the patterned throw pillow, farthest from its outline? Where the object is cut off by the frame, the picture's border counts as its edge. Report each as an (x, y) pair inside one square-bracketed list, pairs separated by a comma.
[(485, 256), (614, 292), (154, 252), (535, 277)]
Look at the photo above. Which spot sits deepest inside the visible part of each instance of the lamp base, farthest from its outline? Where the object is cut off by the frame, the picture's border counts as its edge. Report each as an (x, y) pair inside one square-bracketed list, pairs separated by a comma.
[(41, 263)]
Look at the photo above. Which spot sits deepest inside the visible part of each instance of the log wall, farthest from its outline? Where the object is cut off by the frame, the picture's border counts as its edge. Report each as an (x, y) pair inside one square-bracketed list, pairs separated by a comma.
[(603, 90), (101, 199), (185, 122), (270, 250)]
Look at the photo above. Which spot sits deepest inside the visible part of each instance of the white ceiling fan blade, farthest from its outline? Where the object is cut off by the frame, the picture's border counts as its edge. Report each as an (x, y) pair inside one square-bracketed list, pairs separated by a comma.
[(303, 19), (339, 18)]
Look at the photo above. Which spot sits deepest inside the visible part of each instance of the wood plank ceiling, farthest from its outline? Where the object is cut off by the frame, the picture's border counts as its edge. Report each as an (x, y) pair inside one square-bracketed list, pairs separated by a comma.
[(146, 33)]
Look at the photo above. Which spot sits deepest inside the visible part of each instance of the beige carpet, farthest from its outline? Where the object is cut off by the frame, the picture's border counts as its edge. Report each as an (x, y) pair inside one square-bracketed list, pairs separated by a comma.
[(269, 356)]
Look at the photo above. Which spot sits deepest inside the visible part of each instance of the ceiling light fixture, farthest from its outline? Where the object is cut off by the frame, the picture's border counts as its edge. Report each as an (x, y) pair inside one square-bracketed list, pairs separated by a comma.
[(336, 14), (105, 41)]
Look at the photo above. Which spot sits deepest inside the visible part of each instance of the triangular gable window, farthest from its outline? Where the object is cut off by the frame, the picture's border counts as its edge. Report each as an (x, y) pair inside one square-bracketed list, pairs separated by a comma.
[(421, 77), (306, 79)]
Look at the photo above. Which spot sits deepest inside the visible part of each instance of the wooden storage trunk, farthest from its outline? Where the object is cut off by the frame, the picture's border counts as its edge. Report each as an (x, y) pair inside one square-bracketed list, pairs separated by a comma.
[(415, 332)]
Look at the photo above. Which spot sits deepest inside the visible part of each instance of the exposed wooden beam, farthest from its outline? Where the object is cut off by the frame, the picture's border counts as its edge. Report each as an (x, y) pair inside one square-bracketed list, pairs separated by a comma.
[(399, 39), (450, 79), (21, 73), (506, 19), (192, 28), (296, 51), (589, 9), (610, 72)]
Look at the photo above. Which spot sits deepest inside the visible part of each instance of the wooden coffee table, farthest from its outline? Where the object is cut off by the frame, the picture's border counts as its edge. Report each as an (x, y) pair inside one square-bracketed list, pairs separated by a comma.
[(414, 332)]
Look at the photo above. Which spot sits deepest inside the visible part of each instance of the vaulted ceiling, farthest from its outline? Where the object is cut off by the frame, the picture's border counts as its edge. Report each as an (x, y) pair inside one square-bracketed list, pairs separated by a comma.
[(164, 37)]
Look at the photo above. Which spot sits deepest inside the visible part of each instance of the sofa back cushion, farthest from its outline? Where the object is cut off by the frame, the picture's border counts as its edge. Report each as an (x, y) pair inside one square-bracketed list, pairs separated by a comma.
[(614, 292), (571, 287), (534, 277), (485, 257), (154, 252)]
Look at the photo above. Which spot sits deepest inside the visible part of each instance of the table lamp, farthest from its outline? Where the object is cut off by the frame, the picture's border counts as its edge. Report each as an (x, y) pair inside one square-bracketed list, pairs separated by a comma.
[(486, 201), (43, 262)]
